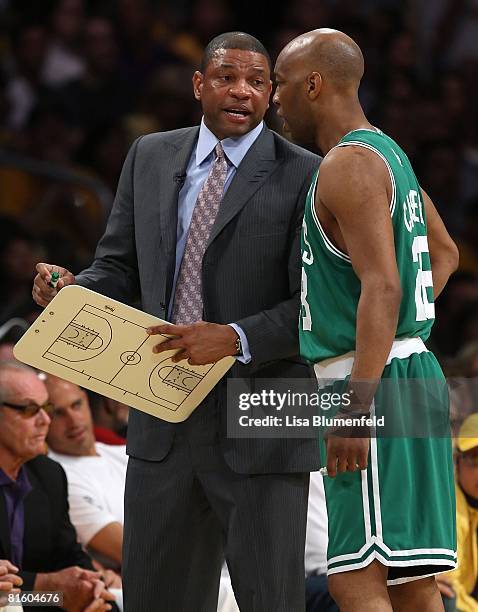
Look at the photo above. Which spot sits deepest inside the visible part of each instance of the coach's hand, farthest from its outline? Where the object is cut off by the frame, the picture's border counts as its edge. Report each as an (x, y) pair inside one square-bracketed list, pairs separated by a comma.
[(345, 453), (43, 292), (200, 343)]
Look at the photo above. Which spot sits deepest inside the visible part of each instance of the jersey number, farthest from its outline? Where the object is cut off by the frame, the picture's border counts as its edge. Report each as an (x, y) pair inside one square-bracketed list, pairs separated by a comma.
[(305, 308), (425, 310)]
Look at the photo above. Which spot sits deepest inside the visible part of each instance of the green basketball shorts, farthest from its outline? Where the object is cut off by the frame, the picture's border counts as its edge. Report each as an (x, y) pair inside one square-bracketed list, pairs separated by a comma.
[(401, 509)]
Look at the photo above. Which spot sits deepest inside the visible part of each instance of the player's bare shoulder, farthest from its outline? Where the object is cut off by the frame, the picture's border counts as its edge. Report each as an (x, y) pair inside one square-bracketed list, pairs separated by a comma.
[(351, 173)]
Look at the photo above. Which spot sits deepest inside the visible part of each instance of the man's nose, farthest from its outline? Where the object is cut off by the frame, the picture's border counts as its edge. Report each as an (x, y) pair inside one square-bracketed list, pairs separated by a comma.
[(240, 89), (275, 99), (45, 418)]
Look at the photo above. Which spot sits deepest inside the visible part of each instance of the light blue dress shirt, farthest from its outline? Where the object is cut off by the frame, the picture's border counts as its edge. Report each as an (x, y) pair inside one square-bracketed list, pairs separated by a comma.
[(200, 162)]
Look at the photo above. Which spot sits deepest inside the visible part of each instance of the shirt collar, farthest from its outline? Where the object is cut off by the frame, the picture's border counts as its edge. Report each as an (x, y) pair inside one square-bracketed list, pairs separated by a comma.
[(234, 148), (22, 482)]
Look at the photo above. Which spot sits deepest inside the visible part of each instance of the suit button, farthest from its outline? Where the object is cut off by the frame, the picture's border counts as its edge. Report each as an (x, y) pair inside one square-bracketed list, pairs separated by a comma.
[(162, 305)]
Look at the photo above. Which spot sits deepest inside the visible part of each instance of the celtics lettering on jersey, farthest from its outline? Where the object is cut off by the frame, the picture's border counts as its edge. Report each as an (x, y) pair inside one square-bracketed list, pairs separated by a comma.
[(308, 260), (412, 205), (330, 289)]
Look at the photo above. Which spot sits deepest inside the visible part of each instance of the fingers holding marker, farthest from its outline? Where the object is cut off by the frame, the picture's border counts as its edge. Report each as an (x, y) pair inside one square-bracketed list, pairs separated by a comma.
[(41, 293), (45, 272), (48, 281), (54, 278)]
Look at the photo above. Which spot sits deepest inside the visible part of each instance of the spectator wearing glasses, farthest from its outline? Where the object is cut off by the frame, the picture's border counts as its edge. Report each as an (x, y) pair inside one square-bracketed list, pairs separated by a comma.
[(463, 581), (36, 534)]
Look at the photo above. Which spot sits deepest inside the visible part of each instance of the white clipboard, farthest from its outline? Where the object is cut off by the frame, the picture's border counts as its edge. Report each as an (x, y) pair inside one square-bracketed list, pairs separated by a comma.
[(102, 345)]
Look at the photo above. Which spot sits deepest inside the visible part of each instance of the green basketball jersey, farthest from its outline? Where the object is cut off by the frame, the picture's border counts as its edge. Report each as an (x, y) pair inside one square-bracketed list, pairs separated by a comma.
[(330, 288)]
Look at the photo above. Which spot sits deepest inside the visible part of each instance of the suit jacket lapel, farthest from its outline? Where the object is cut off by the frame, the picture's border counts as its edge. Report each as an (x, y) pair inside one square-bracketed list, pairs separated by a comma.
[(5, 546), (256, 167), (172, 174), (170, 182), (38, 518)]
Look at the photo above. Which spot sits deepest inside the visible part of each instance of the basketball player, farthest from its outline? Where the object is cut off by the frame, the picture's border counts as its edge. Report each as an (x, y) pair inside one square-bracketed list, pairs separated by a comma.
[(371, 238)]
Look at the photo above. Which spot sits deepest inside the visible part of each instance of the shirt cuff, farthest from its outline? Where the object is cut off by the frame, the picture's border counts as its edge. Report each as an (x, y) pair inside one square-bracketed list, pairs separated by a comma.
[(246, 353)]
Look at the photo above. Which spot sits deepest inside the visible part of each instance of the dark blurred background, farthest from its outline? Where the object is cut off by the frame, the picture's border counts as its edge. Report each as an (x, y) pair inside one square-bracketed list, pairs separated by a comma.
[(80, 79)]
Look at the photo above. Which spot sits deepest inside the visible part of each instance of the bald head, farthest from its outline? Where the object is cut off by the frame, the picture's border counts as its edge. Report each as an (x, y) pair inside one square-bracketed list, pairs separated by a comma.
[(333, 54), (317, 80)]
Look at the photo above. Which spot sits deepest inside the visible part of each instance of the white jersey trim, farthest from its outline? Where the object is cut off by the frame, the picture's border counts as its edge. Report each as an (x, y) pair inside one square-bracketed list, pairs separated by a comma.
[(329, 245), (341, 366), (446, 552), (425, 562), (357, 143)]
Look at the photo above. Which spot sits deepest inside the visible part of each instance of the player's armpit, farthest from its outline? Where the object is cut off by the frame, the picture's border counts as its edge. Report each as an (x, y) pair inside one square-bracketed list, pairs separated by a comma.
[(443, 251)]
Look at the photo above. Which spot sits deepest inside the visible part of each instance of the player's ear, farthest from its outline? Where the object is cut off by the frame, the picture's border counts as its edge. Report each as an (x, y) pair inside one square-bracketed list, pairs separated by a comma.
[(313, 84)]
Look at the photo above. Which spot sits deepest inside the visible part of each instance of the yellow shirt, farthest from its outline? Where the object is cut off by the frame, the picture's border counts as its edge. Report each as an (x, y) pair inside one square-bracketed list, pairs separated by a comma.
[(464, 577)]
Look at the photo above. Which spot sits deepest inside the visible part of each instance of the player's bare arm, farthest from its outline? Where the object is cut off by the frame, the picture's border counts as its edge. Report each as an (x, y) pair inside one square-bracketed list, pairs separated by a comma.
[(354, 187), (443, 251)]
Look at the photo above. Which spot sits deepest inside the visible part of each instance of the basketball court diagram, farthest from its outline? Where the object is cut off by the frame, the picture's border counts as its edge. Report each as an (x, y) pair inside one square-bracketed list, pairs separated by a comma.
[(105, 347)]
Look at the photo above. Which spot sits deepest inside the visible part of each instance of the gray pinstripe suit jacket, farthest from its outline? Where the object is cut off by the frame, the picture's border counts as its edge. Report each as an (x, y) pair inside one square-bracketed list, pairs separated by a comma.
[(251, 273)]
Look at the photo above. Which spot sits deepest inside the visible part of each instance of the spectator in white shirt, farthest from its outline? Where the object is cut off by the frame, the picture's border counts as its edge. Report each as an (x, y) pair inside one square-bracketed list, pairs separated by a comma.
[(96, 472)]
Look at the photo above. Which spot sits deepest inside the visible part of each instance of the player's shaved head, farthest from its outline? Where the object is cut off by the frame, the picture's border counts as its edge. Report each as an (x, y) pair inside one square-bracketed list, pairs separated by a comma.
[(318, 76), (331, 53)]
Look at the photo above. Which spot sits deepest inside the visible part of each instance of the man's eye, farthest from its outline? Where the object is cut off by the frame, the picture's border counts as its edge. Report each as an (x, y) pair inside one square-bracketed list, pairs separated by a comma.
[(225, 77), (258, 82)]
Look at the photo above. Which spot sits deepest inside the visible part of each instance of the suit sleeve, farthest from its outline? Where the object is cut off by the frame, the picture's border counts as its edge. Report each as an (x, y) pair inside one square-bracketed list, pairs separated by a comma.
[(273, 334), (114, 271)]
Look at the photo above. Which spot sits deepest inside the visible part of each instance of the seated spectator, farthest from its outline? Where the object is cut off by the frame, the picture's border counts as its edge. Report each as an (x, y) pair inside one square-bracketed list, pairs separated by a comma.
[(96, 472), (463, 581), (35, 530), (318, 598), (110, 419)]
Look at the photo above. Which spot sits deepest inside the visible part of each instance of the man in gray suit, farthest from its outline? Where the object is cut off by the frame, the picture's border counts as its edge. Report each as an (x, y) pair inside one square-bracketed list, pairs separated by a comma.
[(205, 225)]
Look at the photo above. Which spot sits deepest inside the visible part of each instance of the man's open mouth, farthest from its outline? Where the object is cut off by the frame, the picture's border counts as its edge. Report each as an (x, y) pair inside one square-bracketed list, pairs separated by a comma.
[(237, 112)]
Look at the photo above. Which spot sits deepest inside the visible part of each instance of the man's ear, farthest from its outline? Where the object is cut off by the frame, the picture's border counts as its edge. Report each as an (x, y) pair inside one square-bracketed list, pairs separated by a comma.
[(197, 84), (314, 84)]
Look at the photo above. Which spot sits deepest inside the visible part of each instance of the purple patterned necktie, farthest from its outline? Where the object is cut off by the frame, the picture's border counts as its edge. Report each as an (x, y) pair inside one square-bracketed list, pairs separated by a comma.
[(188, 304)]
